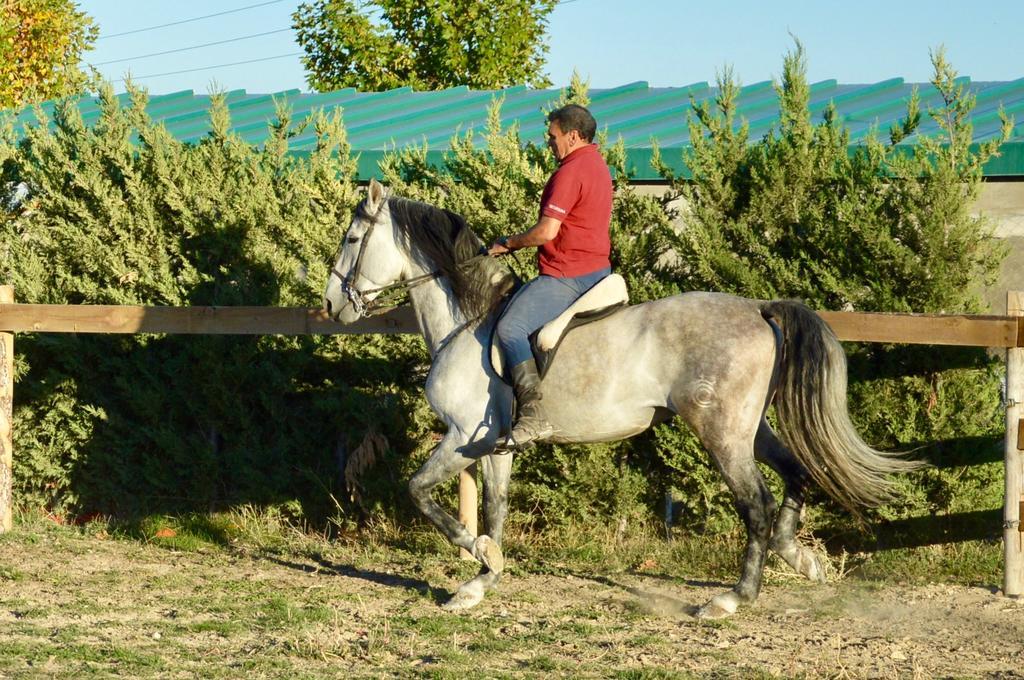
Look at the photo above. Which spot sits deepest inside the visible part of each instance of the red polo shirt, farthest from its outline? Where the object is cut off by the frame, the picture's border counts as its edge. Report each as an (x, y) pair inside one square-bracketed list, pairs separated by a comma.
[(579, 194)]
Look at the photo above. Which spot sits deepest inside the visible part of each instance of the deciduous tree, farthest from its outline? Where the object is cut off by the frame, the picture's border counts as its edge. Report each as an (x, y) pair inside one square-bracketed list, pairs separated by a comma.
[(426, 45), (41, 43)]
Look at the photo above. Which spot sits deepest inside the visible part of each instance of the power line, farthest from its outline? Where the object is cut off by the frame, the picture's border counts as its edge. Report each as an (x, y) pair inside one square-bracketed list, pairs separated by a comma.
[(194, 47), (207, 68), (230, 11), (185, 21)]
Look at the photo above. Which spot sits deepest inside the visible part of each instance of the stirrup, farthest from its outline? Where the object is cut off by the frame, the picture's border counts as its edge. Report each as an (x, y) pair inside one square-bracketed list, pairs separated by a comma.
[(506, 445), (509, 444), (528, 442)]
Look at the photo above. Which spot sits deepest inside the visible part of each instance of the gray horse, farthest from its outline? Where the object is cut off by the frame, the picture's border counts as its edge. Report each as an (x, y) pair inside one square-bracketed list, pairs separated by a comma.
[(716, 360)]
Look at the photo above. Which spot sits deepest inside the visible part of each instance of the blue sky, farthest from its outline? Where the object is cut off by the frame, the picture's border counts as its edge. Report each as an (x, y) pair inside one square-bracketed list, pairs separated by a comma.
[(663, 42)]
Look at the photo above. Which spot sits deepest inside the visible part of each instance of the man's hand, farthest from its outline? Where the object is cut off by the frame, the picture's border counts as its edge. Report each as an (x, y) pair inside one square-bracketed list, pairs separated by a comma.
[(537, 235), (499, 247)]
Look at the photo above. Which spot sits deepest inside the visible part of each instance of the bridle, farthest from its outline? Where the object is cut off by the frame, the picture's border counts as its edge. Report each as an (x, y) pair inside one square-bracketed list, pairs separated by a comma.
[(387, 297)]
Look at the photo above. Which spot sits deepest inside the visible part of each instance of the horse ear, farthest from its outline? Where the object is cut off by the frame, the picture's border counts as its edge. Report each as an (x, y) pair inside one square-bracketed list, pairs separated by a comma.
[(375, 196)]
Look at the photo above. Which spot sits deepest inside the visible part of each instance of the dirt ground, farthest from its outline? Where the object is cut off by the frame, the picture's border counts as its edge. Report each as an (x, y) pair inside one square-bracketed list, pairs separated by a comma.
[(74, 605)]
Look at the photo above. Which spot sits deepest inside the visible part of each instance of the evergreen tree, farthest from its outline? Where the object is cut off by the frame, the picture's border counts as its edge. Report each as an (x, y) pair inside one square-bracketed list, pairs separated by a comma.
[(883, 227), (120, 212), (798, 215), (495, 178)]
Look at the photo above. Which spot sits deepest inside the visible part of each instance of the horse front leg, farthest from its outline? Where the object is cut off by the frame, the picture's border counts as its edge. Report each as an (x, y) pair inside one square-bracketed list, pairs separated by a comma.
[(452, 455), (496, 472)]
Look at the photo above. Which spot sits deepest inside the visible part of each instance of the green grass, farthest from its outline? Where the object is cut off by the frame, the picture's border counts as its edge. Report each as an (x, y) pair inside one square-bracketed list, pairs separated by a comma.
[(240, 594), (645, 674), (223, 628), (83, 659), (544, 664), (968, 563)]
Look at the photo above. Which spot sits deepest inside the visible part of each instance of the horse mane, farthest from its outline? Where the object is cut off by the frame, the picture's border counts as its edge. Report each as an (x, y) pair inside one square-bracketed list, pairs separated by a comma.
[(448, 244)]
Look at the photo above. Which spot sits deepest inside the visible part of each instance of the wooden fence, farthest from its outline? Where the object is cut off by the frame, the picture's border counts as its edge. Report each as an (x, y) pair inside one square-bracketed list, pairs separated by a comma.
[(975, 331)]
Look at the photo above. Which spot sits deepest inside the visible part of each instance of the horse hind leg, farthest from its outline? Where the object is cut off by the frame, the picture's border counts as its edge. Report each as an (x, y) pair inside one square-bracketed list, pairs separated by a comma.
[(756, 506), (770, 450)]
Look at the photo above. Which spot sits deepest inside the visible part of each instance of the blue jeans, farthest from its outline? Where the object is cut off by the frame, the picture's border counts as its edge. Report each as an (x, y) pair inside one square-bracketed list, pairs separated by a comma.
[(536, 303)]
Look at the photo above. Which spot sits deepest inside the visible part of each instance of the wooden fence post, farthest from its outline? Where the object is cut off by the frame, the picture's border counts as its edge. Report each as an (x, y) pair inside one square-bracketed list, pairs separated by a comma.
[(1013, 581), (467, 504), (6, 419)]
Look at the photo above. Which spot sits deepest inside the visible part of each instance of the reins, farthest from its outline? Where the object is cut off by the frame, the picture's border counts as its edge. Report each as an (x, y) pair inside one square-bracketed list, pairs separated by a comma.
[(389, 296)]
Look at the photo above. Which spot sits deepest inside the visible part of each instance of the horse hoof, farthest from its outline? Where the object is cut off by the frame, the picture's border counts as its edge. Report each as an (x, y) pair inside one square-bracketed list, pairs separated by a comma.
[(468, 595), (486, 550), (811, 566), (720, 606)]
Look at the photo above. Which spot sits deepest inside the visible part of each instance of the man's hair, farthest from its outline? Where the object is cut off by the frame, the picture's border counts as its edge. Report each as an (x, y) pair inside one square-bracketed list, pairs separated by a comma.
[(574, 117)]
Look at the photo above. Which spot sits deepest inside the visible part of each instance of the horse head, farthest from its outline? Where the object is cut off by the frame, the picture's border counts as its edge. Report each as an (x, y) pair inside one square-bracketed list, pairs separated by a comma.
[(369, 258), (395, 245)]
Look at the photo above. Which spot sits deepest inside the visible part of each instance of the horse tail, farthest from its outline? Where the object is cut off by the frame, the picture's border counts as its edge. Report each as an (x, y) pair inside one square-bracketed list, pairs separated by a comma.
[(812, 413)]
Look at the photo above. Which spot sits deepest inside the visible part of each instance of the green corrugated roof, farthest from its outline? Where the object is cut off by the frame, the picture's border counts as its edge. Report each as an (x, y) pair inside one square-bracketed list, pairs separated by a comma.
[(635, 112)]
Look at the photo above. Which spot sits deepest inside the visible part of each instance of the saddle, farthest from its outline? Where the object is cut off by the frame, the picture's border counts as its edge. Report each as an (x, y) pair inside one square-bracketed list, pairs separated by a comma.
[(606, 297)]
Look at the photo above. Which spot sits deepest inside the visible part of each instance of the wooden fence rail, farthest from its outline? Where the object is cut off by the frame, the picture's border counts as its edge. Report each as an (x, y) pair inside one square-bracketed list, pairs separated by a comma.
[(16, 318), (927, 329), (930, 329)]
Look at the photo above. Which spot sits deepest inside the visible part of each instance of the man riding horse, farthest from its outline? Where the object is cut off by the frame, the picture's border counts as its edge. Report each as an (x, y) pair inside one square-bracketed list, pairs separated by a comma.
[(573, 246), (715, 360)]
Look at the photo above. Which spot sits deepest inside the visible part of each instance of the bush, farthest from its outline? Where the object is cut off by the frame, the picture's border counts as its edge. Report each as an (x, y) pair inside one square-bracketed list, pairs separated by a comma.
[(497, 187), (797, 215), (121, 213)]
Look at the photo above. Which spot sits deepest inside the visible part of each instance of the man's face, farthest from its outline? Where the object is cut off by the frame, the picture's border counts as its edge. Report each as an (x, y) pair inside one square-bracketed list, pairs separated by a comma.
[(561, 143)]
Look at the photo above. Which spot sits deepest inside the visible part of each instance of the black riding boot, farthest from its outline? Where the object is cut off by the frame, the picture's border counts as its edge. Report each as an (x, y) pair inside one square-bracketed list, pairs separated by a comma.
[(531, 424)]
